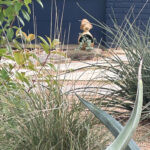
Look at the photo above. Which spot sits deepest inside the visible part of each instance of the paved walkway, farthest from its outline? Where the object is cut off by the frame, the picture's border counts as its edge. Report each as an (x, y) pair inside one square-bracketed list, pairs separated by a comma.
[(82, 74), (99, 75)]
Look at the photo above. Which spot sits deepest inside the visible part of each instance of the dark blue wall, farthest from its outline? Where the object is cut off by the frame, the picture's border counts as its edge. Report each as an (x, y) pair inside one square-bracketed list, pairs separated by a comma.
[(72, 15), (121, 8)]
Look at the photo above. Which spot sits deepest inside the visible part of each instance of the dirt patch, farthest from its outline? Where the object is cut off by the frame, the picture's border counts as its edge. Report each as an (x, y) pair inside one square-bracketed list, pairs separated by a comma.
[(142, 137)]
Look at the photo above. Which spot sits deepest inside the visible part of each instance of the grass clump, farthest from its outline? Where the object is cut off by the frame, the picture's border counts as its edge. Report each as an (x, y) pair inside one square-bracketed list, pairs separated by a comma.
[(43, 119)]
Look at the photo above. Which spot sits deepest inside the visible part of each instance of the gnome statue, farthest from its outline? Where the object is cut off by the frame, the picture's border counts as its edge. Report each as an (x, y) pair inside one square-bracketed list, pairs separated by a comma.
[(86, 40)]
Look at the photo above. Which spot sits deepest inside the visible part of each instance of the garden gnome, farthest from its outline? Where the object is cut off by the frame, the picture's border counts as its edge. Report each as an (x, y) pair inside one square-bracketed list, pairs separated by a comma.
[(86, 41)]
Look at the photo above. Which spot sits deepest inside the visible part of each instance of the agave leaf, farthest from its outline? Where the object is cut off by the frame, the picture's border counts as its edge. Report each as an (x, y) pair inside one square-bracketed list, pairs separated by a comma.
[(112, 124), (125, 135)]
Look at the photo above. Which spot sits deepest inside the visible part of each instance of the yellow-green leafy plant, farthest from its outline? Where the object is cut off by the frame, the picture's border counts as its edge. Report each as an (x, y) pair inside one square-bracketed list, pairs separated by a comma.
[(27, 38), (10, 10), (48, 44), (22, 58)]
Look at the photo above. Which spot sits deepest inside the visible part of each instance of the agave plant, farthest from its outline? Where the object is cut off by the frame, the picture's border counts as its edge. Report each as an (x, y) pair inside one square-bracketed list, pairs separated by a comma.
[(123, 134)]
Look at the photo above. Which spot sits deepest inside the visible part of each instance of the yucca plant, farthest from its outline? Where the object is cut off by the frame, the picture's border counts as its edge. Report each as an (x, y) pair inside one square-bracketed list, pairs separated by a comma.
[(133, 40), (135, 44)]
